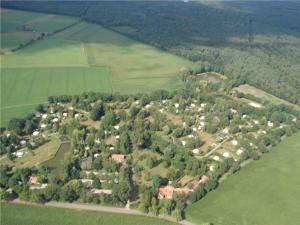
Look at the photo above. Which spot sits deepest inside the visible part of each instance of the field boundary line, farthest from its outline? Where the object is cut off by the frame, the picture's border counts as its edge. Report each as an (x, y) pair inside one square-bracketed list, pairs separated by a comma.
[(99, 208), (21, 105)]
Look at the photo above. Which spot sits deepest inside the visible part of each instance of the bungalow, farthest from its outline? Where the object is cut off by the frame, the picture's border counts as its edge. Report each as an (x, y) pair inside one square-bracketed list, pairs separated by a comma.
[(33, 180), (165, 192), (204, 179), (120, 158)]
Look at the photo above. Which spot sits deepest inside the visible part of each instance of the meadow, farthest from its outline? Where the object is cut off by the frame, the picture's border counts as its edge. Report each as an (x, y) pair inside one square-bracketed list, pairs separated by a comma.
[(42, 154), (84, 57), (13, 214), (56, 163), (265, 192)]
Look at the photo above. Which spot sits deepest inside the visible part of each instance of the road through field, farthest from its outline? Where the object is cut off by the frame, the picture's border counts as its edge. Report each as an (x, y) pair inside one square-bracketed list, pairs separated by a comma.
[(99, 208)]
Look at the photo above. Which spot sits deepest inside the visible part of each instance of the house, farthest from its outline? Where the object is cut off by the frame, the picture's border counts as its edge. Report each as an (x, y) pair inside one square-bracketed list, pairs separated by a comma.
[(120, 158), (183, 191), (33, 180), (204, 179), (165, 192)]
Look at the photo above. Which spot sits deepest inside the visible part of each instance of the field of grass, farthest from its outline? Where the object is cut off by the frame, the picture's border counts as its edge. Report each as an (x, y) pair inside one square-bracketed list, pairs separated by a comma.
[(248, 89), (13, 214), (36, 157), (85, 57), (265, 192), (56, 163)]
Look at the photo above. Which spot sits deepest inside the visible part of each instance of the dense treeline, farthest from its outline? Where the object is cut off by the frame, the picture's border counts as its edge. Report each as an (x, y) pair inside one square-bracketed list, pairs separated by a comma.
[(258, 41)]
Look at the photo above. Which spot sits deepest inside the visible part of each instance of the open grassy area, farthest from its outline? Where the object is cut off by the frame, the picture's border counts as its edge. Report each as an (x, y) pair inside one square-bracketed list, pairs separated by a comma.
[(56, 163), (37, 156), (265, 192), (248, 89), (85, 57), (13, 214)]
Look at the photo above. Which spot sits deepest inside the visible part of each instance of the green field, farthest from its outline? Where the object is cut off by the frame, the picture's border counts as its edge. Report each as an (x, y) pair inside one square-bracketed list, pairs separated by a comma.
[(13, 214), (19, 27), (56, 163), (85, 57), (265, 192)]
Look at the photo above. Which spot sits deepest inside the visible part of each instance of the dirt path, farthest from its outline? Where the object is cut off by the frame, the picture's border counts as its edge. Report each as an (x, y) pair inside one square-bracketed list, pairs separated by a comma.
[(98, 208)]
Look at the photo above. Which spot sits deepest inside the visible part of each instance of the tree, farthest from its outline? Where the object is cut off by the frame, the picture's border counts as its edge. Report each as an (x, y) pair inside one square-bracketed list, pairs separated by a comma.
[(157, 181), (40, 108), (96, 183), (125, 144), (29, 127), (97, 111), (108, 120), (16, 125)]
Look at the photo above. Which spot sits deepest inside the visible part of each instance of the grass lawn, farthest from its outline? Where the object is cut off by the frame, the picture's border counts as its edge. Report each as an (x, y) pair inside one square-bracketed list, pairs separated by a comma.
[(13, 214), (85, 57), (265, 192), (37, 156)]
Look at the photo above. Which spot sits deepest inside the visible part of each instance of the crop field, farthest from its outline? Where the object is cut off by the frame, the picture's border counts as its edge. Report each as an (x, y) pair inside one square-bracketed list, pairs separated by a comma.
[(18, 27), (265, 192), (84, 57), (13, 214)]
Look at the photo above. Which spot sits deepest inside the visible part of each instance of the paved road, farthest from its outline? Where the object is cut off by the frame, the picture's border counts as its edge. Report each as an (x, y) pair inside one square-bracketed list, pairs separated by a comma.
[(99, 208)]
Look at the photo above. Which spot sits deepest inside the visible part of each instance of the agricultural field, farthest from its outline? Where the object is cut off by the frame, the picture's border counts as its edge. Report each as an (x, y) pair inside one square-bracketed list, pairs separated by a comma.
[(84, 57), (13, 214), (265, 192), (19, 27)]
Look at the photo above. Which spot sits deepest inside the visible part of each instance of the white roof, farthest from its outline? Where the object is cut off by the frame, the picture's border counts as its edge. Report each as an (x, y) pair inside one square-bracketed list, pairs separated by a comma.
[(118, 136), (65, 114), (270, 124), (226, 154), (234, 142), (195, 151), (183, 143), (211, 168), (35, 133), (22, 142), (239, 151), (226, 131), (44, 116), (43, 125), (176, 105), (117, 127), (216, 158), (55, 120), (193, 105)]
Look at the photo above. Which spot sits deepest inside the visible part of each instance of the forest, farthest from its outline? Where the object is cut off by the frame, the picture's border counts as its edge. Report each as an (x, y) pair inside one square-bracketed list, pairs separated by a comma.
[(254, 42)]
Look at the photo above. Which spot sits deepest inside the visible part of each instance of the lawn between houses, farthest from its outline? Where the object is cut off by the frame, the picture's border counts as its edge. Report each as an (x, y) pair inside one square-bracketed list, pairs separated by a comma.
[(265, 192), (85, 57), (14, 214)]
